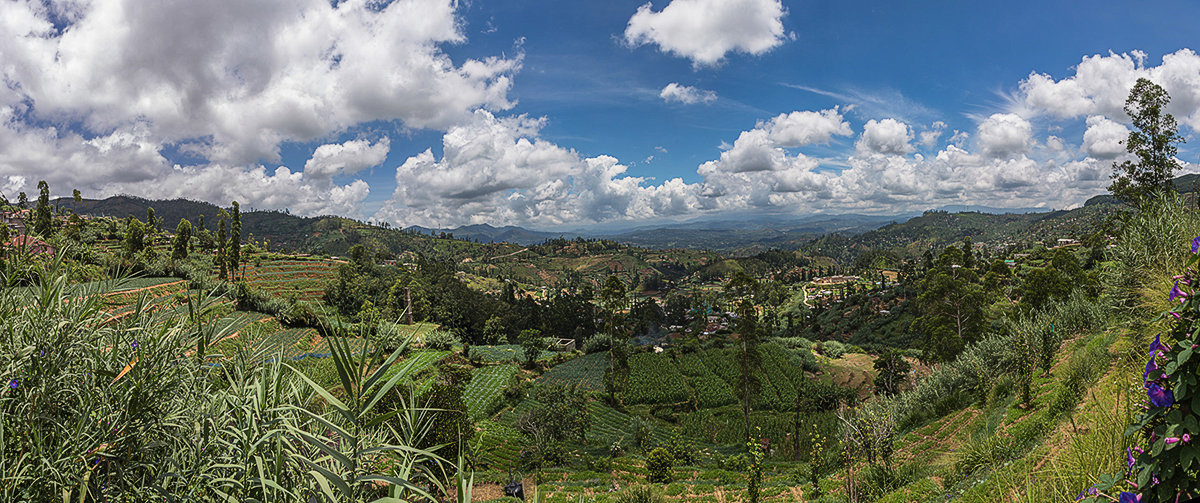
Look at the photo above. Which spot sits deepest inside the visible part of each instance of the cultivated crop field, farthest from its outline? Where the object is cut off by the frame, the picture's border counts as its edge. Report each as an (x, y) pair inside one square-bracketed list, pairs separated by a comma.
[(586, 372), (306, 278), (486, 389), (653, 378), (505, 353)]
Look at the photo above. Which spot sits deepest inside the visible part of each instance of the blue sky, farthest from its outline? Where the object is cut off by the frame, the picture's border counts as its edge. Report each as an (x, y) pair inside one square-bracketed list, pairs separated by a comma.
[(554, 114)]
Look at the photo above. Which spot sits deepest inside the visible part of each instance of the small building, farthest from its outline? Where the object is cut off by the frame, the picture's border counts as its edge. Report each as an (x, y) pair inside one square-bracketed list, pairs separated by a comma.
[(29, 244), (563, 345), (15, 220)]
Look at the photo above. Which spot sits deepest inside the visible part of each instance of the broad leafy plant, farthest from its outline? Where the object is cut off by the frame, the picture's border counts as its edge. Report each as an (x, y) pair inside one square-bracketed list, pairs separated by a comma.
[(1167, 465)]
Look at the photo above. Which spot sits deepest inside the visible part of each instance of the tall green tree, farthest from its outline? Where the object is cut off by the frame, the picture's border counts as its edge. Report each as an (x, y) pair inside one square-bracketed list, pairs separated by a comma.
[(222, 263), (613, 300), (183, 236), (235, 241), (22, 201), (43, 221), (1153, 143), (892, 371), (951, 303), (135, 236), (151, 221), (741, 290)]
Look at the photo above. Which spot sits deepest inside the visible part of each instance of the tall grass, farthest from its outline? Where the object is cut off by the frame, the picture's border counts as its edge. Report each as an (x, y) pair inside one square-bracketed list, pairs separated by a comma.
[(1152, 246), (133, 411)]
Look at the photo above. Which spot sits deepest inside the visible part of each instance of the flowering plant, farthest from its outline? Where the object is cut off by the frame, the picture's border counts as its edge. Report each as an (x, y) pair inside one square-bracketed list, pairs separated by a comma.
[(1168, 466)]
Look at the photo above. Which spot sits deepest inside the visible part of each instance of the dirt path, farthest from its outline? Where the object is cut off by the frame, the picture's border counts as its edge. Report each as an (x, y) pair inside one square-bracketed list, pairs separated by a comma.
[(510, 254)]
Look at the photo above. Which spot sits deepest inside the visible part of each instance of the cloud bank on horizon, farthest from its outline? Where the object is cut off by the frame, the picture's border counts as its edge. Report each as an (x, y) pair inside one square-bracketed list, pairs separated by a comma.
[(114, 97)]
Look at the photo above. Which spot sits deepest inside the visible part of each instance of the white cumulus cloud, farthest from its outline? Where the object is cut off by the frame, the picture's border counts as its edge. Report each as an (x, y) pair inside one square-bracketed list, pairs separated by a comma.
[(1004, 135), (687, 95), (887, 136), (346, 158), (1104, 138), (705, 31)]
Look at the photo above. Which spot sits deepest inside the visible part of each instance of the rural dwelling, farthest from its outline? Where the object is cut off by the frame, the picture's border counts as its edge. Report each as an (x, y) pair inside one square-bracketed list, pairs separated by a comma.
[(29, 244), (563, 345), (15, 220)]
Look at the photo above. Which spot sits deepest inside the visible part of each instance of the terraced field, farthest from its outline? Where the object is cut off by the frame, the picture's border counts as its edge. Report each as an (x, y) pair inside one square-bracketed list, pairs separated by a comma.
[(586, 372), (306, 278), (486, 389)]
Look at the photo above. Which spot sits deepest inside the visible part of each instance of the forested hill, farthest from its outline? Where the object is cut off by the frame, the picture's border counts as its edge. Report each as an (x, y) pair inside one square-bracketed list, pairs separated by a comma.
[(284, 231), (937, 229)]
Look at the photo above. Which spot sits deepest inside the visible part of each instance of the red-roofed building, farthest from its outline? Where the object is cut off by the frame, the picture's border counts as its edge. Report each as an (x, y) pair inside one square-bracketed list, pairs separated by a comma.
[(29, 244)]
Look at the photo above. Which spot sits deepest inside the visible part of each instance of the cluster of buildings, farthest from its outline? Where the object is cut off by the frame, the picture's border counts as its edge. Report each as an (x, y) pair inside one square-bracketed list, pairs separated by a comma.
[(19, 238)]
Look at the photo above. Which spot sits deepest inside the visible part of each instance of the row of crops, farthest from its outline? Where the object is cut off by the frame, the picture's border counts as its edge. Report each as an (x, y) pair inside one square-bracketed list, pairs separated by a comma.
[(585, 372), (504, 353), (485, 393), (608, 425), (709, 378), (306, 278)]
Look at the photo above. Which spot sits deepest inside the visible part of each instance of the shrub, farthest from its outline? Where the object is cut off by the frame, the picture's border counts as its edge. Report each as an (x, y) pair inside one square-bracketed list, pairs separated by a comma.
[(640, 494), (597, 343), (441, 340), (641, 430), (658, 465), (683, 451), (833, 349)]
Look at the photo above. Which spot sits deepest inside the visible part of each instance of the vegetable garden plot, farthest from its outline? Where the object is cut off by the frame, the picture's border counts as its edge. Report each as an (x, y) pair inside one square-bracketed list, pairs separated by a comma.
[(505, 353), (500, 445), (235, 322), (587, 372), (654, 379), (607, 424), (711, 390), (610, 425), (486, 389)]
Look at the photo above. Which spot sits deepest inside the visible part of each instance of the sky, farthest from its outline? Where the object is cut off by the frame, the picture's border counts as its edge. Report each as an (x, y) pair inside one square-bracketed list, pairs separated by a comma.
[(567, 115)]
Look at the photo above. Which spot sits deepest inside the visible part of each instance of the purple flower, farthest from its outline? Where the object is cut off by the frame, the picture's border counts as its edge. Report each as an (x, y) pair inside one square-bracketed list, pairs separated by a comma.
[(1159, 396), (14, 383), (1176, 293), (1187, 438), (1151, 367), (1170, 440), (1127, 497), (1129, 458), (1157, 345), (1195, 244), (1175, 315), (134, 344)]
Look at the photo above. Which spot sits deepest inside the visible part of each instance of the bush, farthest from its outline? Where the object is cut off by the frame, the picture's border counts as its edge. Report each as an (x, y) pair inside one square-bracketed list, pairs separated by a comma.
[(877, 480), (641, 494), (658, 465), (597, 343), (441, 340), (682, 451), (641, 430), (833, 349)]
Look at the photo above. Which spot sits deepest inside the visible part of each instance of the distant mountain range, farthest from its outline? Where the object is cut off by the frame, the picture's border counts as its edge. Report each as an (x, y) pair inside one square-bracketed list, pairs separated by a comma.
[(747, 234), (739, 234)]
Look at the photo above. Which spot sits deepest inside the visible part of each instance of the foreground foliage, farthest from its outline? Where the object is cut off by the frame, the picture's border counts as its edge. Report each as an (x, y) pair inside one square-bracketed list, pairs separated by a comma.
[(131, 410)]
